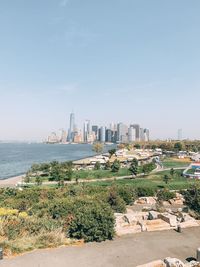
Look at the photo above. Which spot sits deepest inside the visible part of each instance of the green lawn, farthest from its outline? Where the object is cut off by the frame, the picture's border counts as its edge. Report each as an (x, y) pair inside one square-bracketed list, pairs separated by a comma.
[(174, 163), (98, 174), (154, 181), (94, 174), (191, 171)]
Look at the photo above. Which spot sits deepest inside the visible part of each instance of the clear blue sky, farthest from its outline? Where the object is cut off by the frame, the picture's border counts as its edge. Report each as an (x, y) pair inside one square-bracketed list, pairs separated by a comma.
[(136, 61)]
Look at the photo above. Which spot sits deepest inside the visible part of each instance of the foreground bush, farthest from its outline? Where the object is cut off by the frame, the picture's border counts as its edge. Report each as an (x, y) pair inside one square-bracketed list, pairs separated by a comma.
[(192, 198), (127, 193), (165, 195), (92, 221), (145, 192), (115, 201)]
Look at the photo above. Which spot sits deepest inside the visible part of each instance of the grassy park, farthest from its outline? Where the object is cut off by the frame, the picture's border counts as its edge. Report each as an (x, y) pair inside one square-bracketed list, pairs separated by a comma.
[(175, 163), (154, 181), (52, 215)]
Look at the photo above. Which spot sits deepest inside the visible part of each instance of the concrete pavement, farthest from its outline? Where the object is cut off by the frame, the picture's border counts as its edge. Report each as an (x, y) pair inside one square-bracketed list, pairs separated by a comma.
[(127, 251)]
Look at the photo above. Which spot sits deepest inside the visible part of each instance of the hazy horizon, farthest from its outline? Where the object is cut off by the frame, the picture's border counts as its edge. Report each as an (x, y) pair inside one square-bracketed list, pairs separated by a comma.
[(131, 61)]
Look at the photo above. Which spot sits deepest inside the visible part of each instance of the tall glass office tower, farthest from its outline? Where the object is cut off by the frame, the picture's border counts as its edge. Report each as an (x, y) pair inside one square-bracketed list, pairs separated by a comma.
[(71, 128)]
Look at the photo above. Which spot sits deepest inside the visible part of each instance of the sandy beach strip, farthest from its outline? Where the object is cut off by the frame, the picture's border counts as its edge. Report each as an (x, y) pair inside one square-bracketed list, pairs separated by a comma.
[(11, 181)]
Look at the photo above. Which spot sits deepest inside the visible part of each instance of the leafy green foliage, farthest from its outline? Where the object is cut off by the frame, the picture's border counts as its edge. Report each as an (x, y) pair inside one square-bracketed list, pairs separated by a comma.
[(107, 165), (165, 195), (92, 221), (178, 146), (147, 168), (137, 146), (115, 201), (192, 198), (166, 178), (127, 193), (134, 167), (97, 166), (112, 152), (115, 166), (61, 172), (172, 172), (143, 191)]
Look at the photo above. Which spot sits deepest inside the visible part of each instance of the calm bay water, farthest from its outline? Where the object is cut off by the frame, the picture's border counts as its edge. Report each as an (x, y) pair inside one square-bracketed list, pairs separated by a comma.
[(17, 158)]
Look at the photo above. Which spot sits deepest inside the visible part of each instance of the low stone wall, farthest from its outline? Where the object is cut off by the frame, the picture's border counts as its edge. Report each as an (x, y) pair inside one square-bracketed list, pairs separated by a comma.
[(171, 262), (140, 221)]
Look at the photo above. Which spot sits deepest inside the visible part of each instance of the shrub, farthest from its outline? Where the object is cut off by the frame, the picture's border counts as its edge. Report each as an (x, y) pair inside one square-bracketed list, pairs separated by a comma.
[(115, 166), (92, 221), (127, 194), (165, 195), (60, 208), (97, 166), (145, 191), (147, 168), (115, 201), (192, 198)]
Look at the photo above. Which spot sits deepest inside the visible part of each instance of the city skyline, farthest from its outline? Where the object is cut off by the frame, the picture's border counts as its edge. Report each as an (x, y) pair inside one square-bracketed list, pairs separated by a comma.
[(90, 133), (140, 66), (109, 132)]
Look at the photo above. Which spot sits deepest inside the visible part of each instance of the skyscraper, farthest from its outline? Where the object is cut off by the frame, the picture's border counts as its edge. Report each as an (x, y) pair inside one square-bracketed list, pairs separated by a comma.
[(102, 134), (146, 135), (131, 134), (141, 134), (86, 131), (137, 131), (95, 129), (109, 135), (122, 133), (71, 128)]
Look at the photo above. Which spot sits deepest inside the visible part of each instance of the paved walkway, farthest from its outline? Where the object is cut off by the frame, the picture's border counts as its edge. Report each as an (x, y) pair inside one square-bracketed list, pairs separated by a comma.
[(127, 251)]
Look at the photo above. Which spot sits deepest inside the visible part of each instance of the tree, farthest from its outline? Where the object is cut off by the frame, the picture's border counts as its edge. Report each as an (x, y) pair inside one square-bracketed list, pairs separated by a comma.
[(166, 178), (137, 146), (178, 146), (107, 165), (97, 166), (115, 166), (112, 152), (134, 167), (172, 172), (98, 147), (68, 170), (54, 173), (57, 174), (147, 168), (27, 178), (38, 180)]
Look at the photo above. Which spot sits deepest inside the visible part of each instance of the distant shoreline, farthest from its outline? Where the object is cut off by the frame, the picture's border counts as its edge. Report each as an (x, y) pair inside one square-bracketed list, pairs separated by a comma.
[(11, 181), (14, 178)]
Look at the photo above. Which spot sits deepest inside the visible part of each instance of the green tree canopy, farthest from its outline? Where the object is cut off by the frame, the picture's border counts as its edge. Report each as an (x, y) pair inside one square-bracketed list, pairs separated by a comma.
[(134, 167), (115, 166), (112, 152)]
